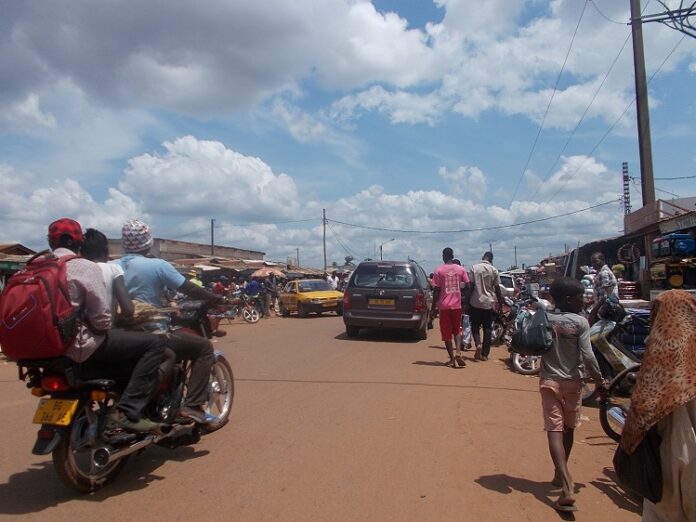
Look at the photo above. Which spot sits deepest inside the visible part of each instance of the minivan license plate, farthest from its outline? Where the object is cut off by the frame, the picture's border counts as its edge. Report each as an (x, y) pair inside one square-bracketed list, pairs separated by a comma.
[(58, 412), (381, 302)]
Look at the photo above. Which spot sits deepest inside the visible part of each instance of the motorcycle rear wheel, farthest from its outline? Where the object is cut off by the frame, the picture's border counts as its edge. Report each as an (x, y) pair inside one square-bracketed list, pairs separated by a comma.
[(73, 458), (526, 364), (220, 394)]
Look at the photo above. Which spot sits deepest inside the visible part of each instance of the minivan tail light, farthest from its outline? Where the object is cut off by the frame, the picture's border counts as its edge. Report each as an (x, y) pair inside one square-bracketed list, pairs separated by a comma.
[(346, 300), (419, 305)]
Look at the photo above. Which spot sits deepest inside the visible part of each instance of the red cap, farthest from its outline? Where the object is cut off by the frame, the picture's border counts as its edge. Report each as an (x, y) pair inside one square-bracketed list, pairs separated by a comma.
[(68, 226)]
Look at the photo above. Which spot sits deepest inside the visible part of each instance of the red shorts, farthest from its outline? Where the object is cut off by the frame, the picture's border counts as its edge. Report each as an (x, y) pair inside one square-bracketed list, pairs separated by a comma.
[(450, 323), (560, 403)]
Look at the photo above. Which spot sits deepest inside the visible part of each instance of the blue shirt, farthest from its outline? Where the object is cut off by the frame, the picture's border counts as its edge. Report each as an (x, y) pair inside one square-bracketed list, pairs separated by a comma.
[(147, 278), (253, 287)]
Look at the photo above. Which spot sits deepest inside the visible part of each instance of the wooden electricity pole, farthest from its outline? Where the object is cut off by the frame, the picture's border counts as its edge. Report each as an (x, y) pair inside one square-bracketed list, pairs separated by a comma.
[(644, 143)]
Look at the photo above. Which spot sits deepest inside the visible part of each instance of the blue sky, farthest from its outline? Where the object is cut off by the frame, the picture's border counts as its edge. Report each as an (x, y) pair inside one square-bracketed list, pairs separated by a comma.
[(410, 119)]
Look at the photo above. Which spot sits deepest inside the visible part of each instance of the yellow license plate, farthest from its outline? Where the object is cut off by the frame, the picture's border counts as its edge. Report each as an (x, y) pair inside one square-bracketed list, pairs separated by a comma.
[(55, 411), (326, 305), (381, 302)]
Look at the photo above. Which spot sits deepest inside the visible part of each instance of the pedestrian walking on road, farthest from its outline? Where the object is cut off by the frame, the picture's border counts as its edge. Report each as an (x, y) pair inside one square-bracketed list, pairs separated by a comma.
[(448, 279), (485, 291), (560, 381)]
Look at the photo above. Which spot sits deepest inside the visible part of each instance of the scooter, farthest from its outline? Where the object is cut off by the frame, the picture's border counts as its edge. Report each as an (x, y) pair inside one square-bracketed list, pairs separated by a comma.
[(77, 398)]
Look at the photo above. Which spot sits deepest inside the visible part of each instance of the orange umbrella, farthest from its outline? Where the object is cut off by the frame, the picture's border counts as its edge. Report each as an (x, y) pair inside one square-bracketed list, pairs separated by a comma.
[(267, 271)]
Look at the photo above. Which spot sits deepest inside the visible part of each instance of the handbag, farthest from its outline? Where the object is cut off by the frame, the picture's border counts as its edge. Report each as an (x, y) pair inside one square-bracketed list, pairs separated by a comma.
[(535, 337), (641, 471)]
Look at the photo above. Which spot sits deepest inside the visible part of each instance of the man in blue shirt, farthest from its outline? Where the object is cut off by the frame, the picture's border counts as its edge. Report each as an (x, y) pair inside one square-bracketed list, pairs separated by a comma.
[(146, 279)]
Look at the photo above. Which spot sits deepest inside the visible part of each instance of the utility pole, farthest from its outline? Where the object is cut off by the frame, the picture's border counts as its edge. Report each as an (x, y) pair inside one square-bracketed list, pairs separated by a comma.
[(297, 258), (212, 237), (515, 256), (647, 181), (323, 220)]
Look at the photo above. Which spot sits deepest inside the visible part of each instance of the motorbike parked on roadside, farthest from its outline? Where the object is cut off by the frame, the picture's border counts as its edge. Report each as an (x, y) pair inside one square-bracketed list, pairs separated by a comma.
[(618, 346), (77, 398), (237, 305), (520, 310)]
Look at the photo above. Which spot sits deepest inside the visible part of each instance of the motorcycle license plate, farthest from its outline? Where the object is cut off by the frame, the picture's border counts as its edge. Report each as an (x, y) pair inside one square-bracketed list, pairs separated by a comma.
[(58, 412)]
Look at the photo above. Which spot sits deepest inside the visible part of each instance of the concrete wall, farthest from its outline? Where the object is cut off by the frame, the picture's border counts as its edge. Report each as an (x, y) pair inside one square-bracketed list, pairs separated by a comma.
[(170, 250)]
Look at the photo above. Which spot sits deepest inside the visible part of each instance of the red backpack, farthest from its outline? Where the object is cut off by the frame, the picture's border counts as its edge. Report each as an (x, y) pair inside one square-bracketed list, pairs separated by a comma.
[(37, 319)]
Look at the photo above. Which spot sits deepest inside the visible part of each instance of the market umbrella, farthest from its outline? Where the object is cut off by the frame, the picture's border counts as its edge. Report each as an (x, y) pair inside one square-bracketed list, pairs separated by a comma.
[(267, 271)]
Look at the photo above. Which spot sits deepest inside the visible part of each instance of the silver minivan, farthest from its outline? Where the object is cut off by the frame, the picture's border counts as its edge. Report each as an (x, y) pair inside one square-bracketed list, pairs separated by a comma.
[(386, 295)]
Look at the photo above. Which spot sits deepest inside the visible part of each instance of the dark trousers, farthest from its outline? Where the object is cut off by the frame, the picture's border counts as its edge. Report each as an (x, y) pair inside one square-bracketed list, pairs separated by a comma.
[(199, 351), (141, 351), (482, 318)]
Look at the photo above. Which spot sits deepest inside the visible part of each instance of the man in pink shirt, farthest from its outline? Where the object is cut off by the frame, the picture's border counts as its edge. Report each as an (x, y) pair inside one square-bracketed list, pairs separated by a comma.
[(447, 282)]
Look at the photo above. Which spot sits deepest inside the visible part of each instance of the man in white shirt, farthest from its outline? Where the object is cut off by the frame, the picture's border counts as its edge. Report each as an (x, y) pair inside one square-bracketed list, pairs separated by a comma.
[(485, 291)]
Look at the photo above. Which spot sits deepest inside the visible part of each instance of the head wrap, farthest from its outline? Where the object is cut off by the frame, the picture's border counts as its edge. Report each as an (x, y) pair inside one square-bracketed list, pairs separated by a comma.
[(65, 226), (135, 236), (666, 379)]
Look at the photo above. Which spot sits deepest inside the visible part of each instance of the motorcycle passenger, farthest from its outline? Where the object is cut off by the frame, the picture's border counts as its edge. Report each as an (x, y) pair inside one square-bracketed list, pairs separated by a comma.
[(97, 341), (147, 279)]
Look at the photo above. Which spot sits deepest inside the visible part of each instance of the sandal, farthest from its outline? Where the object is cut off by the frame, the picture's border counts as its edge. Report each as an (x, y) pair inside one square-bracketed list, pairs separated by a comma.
[(565, 508)]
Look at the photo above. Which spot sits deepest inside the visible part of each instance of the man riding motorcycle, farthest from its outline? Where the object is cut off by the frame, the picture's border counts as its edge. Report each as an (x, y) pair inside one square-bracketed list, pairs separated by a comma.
[(147, 279), (96, 341)]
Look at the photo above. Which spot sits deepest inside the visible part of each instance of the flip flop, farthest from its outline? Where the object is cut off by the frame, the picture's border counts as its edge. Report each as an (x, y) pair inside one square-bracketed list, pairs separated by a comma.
[(565, 508)]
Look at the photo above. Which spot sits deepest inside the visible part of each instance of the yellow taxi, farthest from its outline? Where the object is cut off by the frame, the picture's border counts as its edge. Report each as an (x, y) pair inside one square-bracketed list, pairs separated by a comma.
[(306, 296)]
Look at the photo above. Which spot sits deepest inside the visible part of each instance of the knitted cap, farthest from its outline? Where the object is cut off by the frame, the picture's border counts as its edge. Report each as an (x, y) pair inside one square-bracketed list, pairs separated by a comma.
[(135, 236)]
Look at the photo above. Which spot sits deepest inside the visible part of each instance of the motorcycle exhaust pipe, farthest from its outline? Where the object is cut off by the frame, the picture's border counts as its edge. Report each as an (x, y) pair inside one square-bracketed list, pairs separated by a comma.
[(105, 456)]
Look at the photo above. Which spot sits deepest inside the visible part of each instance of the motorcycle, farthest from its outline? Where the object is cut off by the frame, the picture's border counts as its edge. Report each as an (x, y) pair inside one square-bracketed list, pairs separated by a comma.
[(237, 305), (77, 398), (523, 307)]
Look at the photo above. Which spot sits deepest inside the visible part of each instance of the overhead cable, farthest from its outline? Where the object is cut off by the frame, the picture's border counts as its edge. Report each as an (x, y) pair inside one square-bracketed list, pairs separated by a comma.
[(611, 128), (548, 106), (481, 229)]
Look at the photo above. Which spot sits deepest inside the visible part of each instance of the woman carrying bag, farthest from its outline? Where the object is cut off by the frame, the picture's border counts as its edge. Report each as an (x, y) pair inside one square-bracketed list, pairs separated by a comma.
[(665, 397)]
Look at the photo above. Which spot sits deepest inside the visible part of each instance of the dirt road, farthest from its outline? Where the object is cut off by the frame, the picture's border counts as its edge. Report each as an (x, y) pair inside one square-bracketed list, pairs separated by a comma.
[(327, 428)]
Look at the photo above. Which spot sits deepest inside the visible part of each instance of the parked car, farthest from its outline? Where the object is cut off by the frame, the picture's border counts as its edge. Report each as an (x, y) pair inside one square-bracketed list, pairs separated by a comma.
[(305, 296), (508, 285), (385, 295)]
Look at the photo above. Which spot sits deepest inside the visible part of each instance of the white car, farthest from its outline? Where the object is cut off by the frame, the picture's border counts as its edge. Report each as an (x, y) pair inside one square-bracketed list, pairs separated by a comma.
[(508, 285)]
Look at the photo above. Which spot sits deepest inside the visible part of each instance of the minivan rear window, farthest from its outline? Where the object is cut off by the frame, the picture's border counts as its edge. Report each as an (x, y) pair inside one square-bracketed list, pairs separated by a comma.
[(383, 276)]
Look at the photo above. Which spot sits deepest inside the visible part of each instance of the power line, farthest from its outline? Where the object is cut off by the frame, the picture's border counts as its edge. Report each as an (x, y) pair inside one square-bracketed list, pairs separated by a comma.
[(340, 242), (605, 16), (678, 177), (548, 106), (463, 230), (604, 136), (582, 118)]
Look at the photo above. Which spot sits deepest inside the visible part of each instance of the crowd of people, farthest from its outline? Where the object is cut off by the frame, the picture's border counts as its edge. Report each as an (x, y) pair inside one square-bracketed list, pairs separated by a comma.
[(664, 395)]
